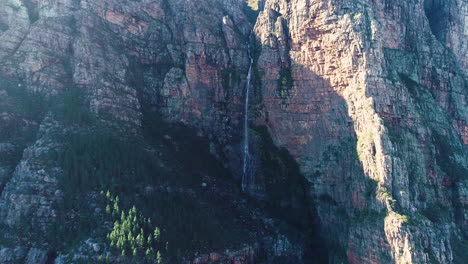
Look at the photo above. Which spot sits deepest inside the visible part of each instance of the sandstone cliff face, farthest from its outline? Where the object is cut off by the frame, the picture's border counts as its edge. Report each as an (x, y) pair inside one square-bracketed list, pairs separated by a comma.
[(184, 61), (124, 62), (122, 55), (371, 99)]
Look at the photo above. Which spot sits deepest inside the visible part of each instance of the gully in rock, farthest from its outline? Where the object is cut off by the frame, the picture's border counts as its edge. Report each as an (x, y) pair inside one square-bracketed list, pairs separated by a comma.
[(247, 175)]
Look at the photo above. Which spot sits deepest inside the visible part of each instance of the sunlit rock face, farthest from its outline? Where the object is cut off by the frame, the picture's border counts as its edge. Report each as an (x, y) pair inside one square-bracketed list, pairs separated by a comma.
[(368, 97)]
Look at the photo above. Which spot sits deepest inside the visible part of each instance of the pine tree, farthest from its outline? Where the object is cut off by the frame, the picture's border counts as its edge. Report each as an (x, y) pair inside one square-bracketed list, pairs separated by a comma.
[(150, 241), (140, 239), (157, 234), (158, 257), (116, 205), (149, 252)]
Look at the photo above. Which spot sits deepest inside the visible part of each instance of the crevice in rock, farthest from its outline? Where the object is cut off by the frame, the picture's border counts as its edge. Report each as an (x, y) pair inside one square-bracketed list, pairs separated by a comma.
[(438, 17), (51, 256), (33, 13)]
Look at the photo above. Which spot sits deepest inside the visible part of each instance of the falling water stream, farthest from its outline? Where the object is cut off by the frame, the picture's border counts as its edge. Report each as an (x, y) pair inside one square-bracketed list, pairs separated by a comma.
[(247, 177)]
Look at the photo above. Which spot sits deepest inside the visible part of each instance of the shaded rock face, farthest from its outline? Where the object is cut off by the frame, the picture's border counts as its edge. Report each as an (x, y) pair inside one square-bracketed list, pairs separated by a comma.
[(369, 97), (243, 256), (181, 61), (124, 62), (121, 56)]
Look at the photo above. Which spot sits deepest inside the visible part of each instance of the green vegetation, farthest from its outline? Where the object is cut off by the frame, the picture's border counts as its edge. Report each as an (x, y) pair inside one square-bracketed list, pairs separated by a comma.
[(370, 215), (98, 159), (253, 4), (178, 152), (75, 221), (132, 234), (29, 104), (193, 223), (185, 223), (251, 10), (404, 219), (26, 109), (93, 157), (384, 193), (72, 110)]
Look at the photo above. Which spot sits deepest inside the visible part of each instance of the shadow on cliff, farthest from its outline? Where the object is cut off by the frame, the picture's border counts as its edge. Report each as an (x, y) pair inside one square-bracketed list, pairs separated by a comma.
[(309, 121)]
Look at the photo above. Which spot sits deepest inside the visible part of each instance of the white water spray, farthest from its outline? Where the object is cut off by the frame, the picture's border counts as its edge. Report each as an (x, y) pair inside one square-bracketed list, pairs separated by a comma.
[(247, 179)]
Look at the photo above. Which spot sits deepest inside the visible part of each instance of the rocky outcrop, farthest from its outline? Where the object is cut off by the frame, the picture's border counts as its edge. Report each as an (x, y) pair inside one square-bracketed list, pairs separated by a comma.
[(33, 190), (181, 60), (124, 62), (244, 256), (368, 96), (187, 72)]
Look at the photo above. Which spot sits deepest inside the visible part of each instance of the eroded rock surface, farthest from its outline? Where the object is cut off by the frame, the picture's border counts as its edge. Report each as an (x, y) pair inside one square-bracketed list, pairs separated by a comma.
[(369, 98)]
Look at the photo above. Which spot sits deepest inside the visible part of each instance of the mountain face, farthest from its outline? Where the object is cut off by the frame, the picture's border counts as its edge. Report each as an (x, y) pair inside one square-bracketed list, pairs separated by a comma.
[(122, 131), (371, 101)]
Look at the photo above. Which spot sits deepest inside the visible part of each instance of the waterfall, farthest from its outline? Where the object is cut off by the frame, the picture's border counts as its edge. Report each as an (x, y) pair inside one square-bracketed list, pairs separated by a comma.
[(247, 176)]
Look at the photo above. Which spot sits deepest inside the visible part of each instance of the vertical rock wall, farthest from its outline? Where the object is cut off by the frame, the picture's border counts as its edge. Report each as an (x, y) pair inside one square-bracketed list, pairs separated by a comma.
[(369, 96), (371, 99), (182, 61)]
